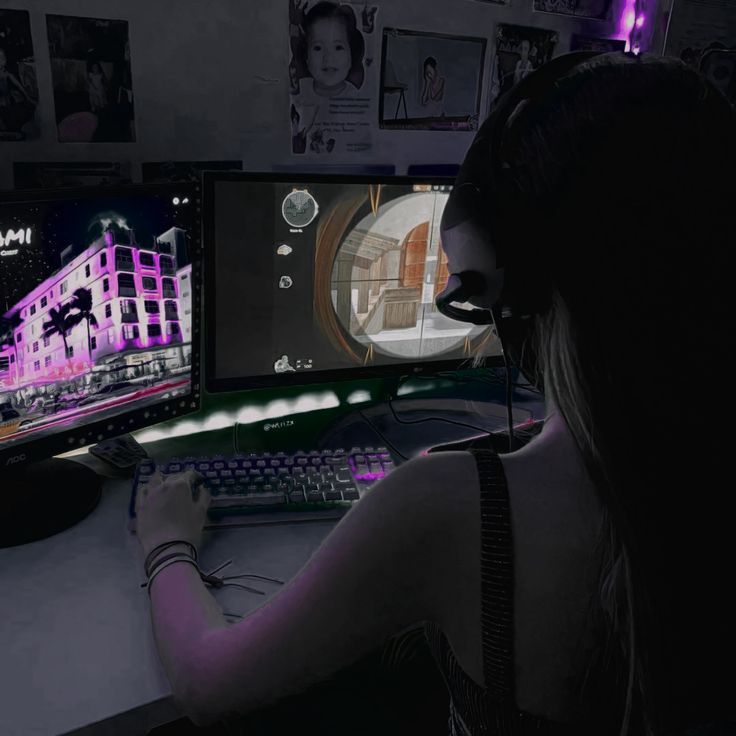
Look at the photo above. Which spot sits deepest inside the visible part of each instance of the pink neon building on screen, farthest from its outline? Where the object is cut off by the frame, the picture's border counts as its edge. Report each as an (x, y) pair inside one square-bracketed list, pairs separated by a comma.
[(135, 302)]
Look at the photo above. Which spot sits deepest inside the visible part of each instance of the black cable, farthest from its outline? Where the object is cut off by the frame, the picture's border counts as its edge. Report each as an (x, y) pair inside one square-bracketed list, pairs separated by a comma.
[(497, 319), (381, 435), (461, 379)]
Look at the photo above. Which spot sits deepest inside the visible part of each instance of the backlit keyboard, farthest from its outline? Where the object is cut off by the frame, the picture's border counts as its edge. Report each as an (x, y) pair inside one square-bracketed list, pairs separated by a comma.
[(263, 487)]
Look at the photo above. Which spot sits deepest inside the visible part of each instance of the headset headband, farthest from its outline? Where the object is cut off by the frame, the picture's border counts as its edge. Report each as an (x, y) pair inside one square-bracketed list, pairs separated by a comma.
[(479, 182)]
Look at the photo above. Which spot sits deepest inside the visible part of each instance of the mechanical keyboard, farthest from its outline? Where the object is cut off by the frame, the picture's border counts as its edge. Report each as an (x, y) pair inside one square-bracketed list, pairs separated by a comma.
[(262, 487)]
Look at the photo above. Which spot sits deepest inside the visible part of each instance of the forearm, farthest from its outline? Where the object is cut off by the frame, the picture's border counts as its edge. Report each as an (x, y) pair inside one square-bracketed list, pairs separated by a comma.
[(183, 612)]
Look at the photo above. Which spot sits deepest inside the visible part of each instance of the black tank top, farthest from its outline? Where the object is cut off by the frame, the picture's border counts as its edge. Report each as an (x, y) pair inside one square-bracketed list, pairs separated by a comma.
[(490, 710)]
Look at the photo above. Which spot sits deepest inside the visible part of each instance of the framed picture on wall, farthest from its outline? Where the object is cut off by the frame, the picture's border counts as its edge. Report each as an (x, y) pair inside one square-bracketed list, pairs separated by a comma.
[(592, 9), (519, 51), (430, 81), (93, 88), (18, 86)]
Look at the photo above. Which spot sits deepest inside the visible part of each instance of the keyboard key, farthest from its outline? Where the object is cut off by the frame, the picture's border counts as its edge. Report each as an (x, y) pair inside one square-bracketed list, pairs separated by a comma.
[(265, 499)]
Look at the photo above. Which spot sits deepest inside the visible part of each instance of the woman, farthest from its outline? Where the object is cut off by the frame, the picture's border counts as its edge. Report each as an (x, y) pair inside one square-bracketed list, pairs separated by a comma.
[(433, 89), (580, 583), (524, 65)]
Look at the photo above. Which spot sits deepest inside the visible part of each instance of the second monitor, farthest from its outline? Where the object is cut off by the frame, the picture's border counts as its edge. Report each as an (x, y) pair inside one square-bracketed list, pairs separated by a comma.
[(311, 279)]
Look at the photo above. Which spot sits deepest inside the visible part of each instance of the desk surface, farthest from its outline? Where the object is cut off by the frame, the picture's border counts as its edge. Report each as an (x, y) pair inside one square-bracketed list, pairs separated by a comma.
[(77, 641)]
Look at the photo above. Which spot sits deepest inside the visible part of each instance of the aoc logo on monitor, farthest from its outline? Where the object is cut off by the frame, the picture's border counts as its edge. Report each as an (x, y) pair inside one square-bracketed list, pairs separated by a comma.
[(11, 238)]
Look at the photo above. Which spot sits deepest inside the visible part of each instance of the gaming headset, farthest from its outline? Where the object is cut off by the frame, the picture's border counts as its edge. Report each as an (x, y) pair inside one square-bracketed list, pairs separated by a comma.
[(482, 189), (506, 280)]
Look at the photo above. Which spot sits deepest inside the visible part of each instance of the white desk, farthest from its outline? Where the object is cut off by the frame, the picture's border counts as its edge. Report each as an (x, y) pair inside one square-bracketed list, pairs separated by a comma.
[(76, 644)]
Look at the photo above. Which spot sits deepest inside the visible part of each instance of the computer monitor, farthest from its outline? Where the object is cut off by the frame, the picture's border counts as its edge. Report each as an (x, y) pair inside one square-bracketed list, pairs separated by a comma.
[(321, 278), (99, 335)]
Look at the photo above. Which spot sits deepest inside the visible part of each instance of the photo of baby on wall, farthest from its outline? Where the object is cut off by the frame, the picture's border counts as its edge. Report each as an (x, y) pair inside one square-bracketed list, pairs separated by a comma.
[(519, 51), (331, 51), (18, 87)]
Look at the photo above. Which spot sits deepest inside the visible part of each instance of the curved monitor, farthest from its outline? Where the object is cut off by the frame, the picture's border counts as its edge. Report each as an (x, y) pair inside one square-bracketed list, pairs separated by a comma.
[(320, 278), (99, 314)]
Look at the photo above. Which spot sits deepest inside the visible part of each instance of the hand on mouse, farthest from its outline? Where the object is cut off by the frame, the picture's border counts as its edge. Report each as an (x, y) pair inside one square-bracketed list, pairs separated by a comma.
[(172, 507)]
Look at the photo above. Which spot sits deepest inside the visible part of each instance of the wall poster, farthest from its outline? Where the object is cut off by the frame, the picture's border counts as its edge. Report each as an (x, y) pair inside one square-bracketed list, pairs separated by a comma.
[(331, 68)]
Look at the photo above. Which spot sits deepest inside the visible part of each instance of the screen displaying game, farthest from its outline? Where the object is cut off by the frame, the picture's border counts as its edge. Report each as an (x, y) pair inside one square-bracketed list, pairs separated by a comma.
[(331, 275), (95, 309)]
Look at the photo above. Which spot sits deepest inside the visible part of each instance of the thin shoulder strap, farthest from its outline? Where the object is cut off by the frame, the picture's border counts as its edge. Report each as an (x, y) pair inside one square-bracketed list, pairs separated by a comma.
[(497, 578)]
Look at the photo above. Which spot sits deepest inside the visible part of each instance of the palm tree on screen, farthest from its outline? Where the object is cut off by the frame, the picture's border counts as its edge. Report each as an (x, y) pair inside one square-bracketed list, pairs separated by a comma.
[(8, 326), (82, 302), (59, 323)]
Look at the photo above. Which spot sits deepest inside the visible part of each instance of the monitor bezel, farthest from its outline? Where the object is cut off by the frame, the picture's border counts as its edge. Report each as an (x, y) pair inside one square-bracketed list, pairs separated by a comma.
[(22, 452), (214, 384)]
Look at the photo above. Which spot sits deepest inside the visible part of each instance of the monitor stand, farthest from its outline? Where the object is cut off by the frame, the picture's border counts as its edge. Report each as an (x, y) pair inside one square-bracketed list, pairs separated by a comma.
[(44, 498)]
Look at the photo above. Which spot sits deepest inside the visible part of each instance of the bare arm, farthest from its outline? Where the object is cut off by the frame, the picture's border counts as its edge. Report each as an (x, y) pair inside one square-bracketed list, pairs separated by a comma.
[(374, 575), (425, 91)]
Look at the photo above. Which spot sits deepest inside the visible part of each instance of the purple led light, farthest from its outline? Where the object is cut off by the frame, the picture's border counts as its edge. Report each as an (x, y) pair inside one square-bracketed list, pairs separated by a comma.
[(370, 476), (630, 23)]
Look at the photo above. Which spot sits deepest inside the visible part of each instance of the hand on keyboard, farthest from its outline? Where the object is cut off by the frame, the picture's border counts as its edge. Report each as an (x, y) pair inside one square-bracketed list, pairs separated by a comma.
[(319, 480)]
